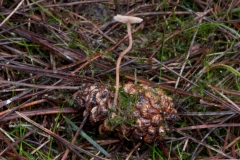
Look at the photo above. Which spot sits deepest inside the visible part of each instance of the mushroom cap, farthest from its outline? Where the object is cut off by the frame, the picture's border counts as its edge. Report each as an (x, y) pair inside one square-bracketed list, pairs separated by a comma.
[(125, 19)]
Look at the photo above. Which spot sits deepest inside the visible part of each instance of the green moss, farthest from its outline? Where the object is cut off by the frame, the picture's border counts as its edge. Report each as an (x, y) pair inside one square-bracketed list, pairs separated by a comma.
[(125, 109)]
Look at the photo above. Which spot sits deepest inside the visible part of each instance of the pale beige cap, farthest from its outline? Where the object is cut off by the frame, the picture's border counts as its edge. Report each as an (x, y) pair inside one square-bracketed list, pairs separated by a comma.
[(125, 19)]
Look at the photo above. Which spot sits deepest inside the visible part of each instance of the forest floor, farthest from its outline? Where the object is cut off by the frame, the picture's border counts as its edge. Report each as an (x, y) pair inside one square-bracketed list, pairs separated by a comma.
[(49, 49)]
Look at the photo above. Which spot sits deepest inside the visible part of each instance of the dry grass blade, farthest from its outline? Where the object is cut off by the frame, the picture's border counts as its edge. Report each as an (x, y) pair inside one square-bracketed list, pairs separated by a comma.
[(54, 110), (19, 140), (45, 72), (209, 126), (6, 102), (39, 86), (235, 106), (66, 54), (89, 139), (135, 148), (66, 143), (204, 144), (6, 19), (76, 134), (10, 145), (192, 42)]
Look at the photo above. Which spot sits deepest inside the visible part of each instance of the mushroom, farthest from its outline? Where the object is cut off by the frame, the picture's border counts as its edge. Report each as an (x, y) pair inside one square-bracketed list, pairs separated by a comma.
[(128, 20)]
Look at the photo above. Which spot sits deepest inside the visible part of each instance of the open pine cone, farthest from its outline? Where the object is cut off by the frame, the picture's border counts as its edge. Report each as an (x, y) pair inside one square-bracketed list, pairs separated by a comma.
[(143, 113)]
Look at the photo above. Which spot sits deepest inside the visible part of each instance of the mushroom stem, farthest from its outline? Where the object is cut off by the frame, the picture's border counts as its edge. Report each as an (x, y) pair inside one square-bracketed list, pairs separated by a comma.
[(119, 62)]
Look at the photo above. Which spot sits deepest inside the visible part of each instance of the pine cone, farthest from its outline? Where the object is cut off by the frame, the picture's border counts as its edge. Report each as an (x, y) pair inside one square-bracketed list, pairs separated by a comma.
[(143, 113)]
